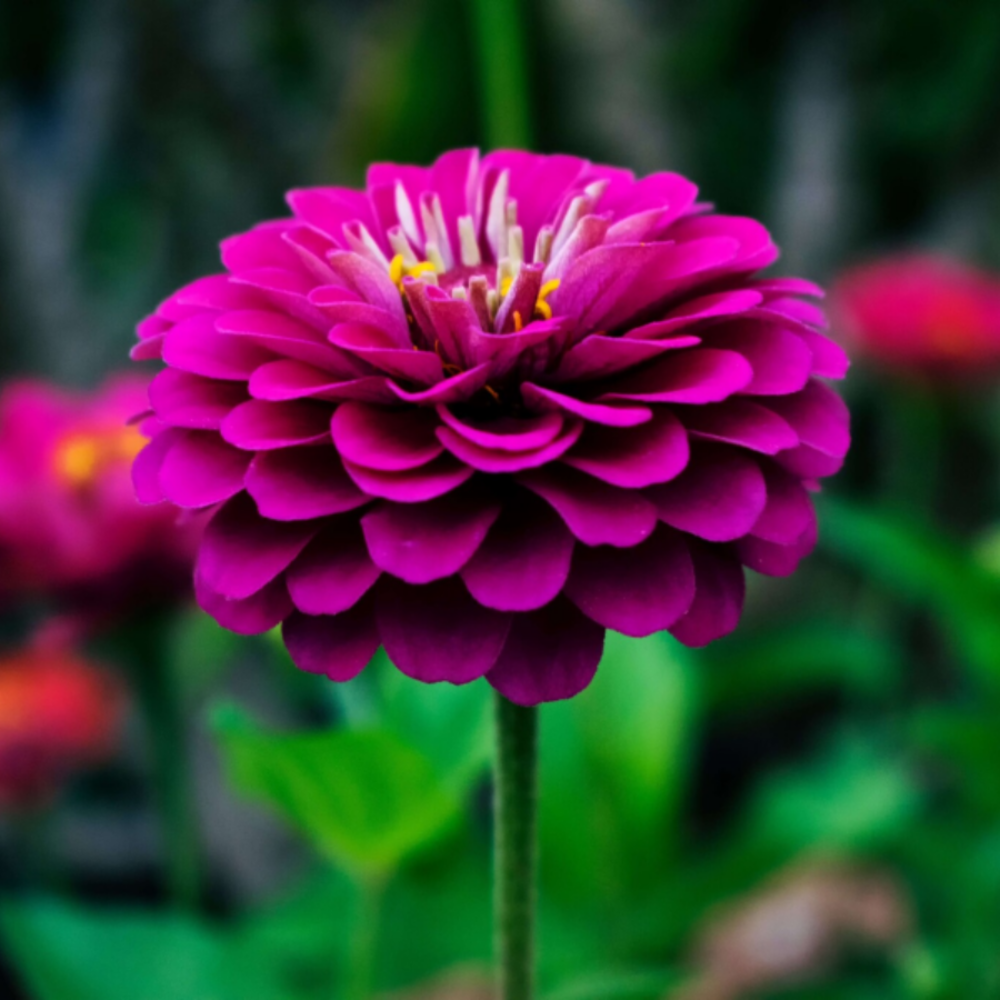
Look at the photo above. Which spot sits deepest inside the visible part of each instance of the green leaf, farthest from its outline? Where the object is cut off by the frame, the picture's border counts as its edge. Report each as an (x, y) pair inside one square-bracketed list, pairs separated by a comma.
[(364, 798), (64, 952), (919, 566), (618, 985)]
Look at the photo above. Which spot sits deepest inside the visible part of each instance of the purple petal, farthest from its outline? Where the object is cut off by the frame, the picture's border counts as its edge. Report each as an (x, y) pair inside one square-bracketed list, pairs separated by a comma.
[(633, 457), (215, 291), (634, 591), (423, 542), (550, 654), (718, 497), (780, 359), (334, 571), (184, 400), (695, 376), (369, 281), (455, 389), (195, 346), (413, 485), (596, 513), (261, 426), (297, 484), (423, 367), (772, 559), (437, 632), (241, 552), (201, 469), (259, 248), (819, 416), (251, 616), (287, 290), (339, 647), (283, 380), (598, 356), (283, 336), (743, 423), (544, 400), (789, 511), (705, 307), (385, 440), (494, 460), (508, 434), (524, 561), (718, 599), (146, 467)]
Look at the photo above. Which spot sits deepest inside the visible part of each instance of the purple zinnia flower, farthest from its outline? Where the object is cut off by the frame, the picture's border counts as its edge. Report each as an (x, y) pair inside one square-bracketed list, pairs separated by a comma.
[(482, 411)]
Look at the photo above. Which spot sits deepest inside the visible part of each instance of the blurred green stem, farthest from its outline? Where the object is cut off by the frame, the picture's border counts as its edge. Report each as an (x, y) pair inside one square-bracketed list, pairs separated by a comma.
[(515, 865), (162, 710), (503, 78), (359, 978), (915, 446)]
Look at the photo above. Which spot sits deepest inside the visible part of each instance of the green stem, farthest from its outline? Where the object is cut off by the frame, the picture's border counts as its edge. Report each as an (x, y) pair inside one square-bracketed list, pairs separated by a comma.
[(515, 822), (503, 78), (360, 973), (162, 711)]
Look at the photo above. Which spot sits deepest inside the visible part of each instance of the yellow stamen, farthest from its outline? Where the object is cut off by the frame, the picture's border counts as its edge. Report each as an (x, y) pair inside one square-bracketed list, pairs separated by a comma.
[(424, 267), (518, 324), (505, 285), (396, 271), (492, 392), (542, 308)]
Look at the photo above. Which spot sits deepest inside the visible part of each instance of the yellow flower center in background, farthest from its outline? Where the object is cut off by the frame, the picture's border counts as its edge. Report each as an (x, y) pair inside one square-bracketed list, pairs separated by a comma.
[(83, 455)]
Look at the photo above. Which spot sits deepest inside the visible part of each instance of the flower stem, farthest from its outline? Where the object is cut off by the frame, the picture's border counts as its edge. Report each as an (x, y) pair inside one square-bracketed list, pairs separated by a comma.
[(360, 972), (515, 865), (503, 78), (162, 712)]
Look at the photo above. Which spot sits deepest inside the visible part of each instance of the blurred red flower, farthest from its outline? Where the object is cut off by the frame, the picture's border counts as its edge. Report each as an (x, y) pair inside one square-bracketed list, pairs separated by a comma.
[(58, 712), (921, 313), (70, 525)]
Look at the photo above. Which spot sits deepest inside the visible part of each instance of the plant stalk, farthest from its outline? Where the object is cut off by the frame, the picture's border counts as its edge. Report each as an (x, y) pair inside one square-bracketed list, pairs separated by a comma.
[(515, 846)]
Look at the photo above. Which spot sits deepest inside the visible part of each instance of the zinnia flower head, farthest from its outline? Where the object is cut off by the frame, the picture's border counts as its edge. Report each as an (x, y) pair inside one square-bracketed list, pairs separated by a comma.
[(69, 520), (921, 313), (483, 411), (58, 712)]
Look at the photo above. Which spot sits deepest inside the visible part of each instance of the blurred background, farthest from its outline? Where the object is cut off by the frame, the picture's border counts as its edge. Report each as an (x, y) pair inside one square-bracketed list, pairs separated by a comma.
[(807, 809)]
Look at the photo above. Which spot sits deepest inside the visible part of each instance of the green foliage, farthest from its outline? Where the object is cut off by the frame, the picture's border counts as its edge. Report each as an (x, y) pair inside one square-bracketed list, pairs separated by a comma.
[(363, 798)]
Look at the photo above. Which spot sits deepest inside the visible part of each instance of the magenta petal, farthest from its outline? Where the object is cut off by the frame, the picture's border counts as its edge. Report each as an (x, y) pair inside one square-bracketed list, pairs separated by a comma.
[(456, 389), (718, 497), (634, 591), (706, 307), (597, 356), (596, 513), (251, 616), (283, 336), (550, 654), (296, 484), (385, 440), (773, 559), (369, 281), (412, 485), (195, 346), (338, 646), (819, 416), (494, 460), (781, 360), (543, 400), (718, 599), (509, 434), (146, 467), (281, 380), (241, 551), (633, 457), (201, 469), (695, 376), (743, 423), (184, 400), (437, 632), (261, 247), (422, 367), (333, 572), (423, 542), (524, 561), (789, 510), (260, 426)]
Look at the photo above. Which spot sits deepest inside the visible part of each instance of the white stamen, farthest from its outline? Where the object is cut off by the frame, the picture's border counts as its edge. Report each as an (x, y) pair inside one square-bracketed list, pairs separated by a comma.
[(434, 256), (515, 244), (505, 270), (543, 245), (401, 245), (492, 302), (364, 243), (479, 300), (470, 245), (496, 219), (594, 190), (511, 213), (444, 240), (458, 292), (578, 208), (405, 212)]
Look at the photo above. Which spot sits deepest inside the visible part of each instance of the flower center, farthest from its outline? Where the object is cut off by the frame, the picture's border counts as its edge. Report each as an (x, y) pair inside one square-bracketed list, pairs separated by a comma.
[(81, 456)]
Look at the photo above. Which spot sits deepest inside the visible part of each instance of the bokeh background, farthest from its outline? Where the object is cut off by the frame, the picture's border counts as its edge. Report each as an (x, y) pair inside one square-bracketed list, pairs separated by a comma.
[(809, 808)]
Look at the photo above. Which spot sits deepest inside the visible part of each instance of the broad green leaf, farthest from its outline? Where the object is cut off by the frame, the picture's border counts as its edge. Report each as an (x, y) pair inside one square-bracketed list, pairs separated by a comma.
[(65, 952), (921, 567), (618, 985), (363, 798)]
